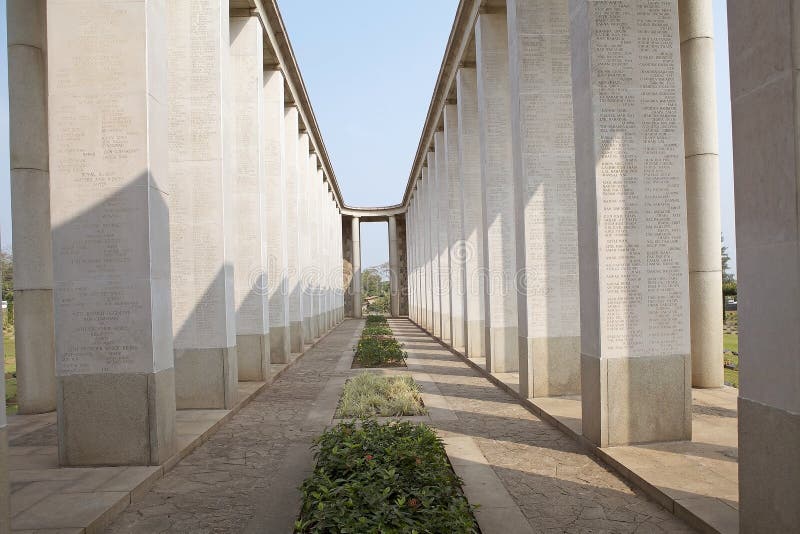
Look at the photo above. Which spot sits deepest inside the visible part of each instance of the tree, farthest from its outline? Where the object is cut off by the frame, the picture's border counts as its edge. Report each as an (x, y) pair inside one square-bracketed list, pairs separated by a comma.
[(7, 267), (728, 280)]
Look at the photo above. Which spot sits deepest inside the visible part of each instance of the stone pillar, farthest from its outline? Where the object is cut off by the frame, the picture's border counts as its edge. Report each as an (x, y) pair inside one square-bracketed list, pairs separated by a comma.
[(469, 168), (394, 272), (428, 247), (702, 190), (356, 222), (276, 210), (304, 208), (30, 204), (765, 97), (293, 230), (443, 222), (111, 273), (5, 487), (402, 264), (497, 180), (634, 301), (347, 266), (201, 204), (455, 230), (432, 228), (250, 196), (415, 261), (546, 212)]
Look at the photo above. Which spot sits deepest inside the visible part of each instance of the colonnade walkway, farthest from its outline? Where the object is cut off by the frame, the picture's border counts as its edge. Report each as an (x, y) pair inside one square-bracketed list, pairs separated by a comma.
[(526, 475)]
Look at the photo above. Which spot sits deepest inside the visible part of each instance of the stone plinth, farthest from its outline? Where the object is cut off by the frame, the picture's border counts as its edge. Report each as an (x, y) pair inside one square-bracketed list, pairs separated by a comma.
[(201, 203), (546, 213), (250, 197), (765, 106), (30, 204), (276, 212), (469, 167), (108, 150), (292, 178), (499, 247), (635, 366)]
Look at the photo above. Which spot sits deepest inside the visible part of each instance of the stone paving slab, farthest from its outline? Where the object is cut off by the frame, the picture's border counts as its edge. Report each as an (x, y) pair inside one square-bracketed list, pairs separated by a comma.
[(50, 499), (556, 485)]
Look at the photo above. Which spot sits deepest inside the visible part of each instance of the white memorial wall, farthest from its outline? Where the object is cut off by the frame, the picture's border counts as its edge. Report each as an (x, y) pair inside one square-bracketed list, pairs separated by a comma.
[(276, 212), (250, 196), (546, 210), (499, 232), (635, 365)]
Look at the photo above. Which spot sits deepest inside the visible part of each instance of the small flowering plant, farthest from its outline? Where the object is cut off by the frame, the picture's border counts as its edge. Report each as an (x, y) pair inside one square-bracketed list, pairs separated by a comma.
[(391, 477)]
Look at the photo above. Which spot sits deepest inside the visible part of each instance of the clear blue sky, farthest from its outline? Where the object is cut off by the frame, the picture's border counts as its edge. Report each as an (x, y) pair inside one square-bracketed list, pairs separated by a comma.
[(370, 68)]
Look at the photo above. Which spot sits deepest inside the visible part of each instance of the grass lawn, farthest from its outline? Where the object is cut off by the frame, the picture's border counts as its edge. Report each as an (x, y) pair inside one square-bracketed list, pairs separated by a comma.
[(730, 342), (10, 368), (369, 395)]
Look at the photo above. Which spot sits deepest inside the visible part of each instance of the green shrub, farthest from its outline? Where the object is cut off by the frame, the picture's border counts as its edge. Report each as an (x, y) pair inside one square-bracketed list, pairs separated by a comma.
[(369, 395), (388, 478), (373, 320), (376, 330), (376, 351)]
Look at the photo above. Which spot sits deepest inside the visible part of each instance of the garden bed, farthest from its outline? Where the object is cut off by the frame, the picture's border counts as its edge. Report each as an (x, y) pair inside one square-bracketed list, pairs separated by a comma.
[(377, 346), (369, 395), (391, 477)]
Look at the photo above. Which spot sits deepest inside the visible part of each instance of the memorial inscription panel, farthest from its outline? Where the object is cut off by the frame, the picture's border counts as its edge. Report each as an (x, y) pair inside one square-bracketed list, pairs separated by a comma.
[(640, 179)]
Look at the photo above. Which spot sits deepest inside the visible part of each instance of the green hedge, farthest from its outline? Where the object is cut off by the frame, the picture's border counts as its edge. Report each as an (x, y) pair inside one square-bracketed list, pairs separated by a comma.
[(389, 478)]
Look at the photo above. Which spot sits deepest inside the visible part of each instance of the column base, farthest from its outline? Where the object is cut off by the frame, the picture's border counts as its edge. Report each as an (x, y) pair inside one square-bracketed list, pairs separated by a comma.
[(436, 326), (446, 335), (458, 342), (35, 344), (706, 328), (116, 419), (636, 400), (253, 357), (206, 378), (308, 332), (769, 473), (502, 352), (296, 342), (476, 344), (279, 345), (549, 366)]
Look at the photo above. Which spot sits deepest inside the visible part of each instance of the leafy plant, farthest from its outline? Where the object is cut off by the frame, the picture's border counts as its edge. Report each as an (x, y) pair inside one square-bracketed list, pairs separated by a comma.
[(369, 395), (379, 351), (387, 478)]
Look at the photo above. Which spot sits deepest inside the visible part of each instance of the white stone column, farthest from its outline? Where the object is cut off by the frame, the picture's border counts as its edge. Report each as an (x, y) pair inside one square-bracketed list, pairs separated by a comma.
[(317, 254), (469, 168), (410, 252), (497, 180), (304, 225), (293, 230), (276, 211), (111, 292), (433, 240), (455, 231), (635, 366), (765, 98), (5, 487), (443, 223), (546, 211), (356, 222), (201, 203), (250, 196), (431, 257), (701, 144), (394, 273), (30, 205), (414, 245)]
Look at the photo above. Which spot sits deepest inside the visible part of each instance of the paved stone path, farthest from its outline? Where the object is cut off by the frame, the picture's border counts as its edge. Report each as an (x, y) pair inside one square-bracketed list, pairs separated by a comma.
[(244, 478)]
